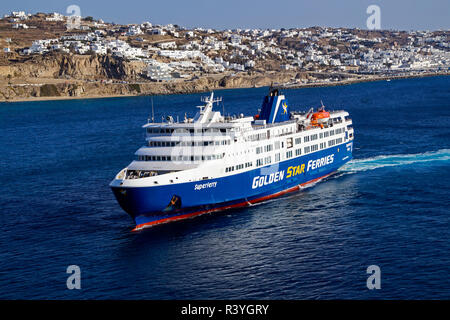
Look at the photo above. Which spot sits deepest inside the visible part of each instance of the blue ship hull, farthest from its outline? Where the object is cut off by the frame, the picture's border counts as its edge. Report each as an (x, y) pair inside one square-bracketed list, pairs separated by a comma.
[(153, 205)]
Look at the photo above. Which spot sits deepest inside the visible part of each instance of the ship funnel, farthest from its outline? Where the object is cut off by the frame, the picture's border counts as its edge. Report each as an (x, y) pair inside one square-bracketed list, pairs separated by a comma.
[(275, 107)]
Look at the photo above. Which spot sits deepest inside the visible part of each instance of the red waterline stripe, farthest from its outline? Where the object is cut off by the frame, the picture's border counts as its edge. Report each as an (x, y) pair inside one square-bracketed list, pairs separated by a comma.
[(237, 205)]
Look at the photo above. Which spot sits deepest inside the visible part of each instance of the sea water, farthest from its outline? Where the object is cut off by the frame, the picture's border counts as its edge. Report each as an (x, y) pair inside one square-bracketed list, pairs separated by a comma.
[(389, 207)]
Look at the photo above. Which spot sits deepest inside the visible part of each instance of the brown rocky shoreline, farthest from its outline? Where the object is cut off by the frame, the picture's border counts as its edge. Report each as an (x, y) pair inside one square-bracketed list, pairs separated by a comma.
[(80, 90), (60, 89)]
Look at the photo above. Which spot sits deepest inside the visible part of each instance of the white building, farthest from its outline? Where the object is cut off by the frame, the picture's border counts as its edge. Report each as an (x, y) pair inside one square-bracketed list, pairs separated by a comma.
[(168, 45), (249, 64), (19, 14), (99, 48), (158, 71), (134, 31), (157, 31), (146, 25), (20, 26), (180, 54), (55, 17), (235, 39), (286, 67)]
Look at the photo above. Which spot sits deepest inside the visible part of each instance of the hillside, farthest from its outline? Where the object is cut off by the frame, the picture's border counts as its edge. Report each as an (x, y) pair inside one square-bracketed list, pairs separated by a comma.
[(72, 66), (41, 57)]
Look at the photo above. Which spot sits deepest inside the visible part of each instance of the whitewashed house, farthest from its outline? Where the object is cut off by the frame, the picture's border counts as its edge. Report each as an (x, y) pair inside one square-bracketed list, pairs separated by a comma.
[(235, 39), (167, 45), (55, 17), (157, 31), (249, 64), (99, 48), (158, 71), (134, 31)]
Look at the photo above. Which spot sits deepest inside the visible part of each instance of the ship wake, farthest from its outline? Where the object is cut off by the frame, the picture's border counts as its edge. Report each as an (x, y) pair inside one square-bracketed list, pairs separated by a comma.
[(359, 165)]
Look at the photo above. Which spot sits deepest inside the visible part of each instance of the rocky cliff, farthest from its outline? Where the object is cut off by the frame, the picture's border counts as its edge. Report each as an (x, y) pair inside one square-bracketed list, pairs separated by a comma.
[(96, 89), (65, 66)]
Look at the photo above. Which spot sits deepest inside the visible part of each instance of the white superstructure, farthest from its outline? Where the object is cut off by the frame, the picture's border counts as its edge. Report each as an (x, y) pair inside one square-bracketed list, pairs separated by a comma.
[(211, 146)]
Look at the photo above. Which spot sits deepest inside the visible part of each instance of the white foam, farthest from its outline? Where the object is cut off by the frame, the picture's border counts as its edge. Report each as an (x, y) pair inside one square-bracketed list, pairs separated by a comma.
[(358, 165)]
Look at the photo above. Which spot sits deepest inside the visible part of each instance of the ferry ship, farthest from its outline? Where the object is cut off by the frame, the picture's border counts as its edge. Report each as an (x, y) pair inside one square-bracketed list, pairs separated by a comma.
[(214, 162)]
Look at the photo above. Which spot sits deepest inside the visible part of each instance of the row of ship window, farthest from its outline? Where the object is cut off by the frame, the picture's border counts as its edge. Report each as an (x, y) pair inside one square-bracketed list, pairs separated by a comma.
[(289, 154), (239, 167), (321, 135), (322, 145), (268, 160), (188, 143), (307, 138), (265, 135), (269, 147), (181, 158), (259, 162), (185, 130), (259, 150), (266, 148), (258, 136), (264, 161), (298, 152)]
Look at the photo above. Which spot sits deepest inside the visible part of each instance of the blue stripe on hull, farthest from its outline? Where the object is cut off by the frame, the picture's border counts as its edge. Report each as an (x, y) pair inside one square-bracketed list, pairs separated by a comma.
[(150, 204)]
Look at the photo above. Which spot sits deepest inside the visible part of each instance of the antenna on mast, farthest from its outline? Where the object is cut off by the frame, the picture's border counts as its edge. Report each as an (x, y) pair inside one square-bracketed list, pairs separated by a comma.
[(209, 102), (323, 107)]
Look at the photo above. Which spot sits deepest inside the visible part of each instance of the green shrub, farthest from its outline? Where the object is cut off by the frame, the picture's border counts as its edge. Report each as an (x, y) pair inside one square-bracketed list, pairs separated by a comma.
[(135, 87), (49, 90)]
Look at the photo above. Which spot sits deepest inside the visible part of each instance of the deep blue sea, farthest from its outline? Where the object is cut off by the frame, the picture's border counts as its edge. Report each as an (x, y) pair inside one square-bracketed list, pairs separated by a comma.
[(389, 207)]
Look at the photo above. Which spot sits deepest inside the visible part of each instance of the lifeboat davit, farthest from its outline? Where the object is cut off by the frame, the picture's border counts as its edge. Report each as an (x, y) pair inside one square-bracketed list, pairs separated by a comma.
[(320, 117)]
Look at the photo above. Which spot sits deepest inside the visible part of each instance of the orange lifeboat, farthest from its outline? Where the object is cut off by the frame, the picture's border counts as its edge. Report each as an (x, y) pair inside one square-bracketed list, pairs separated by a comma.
[(320, 117)]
